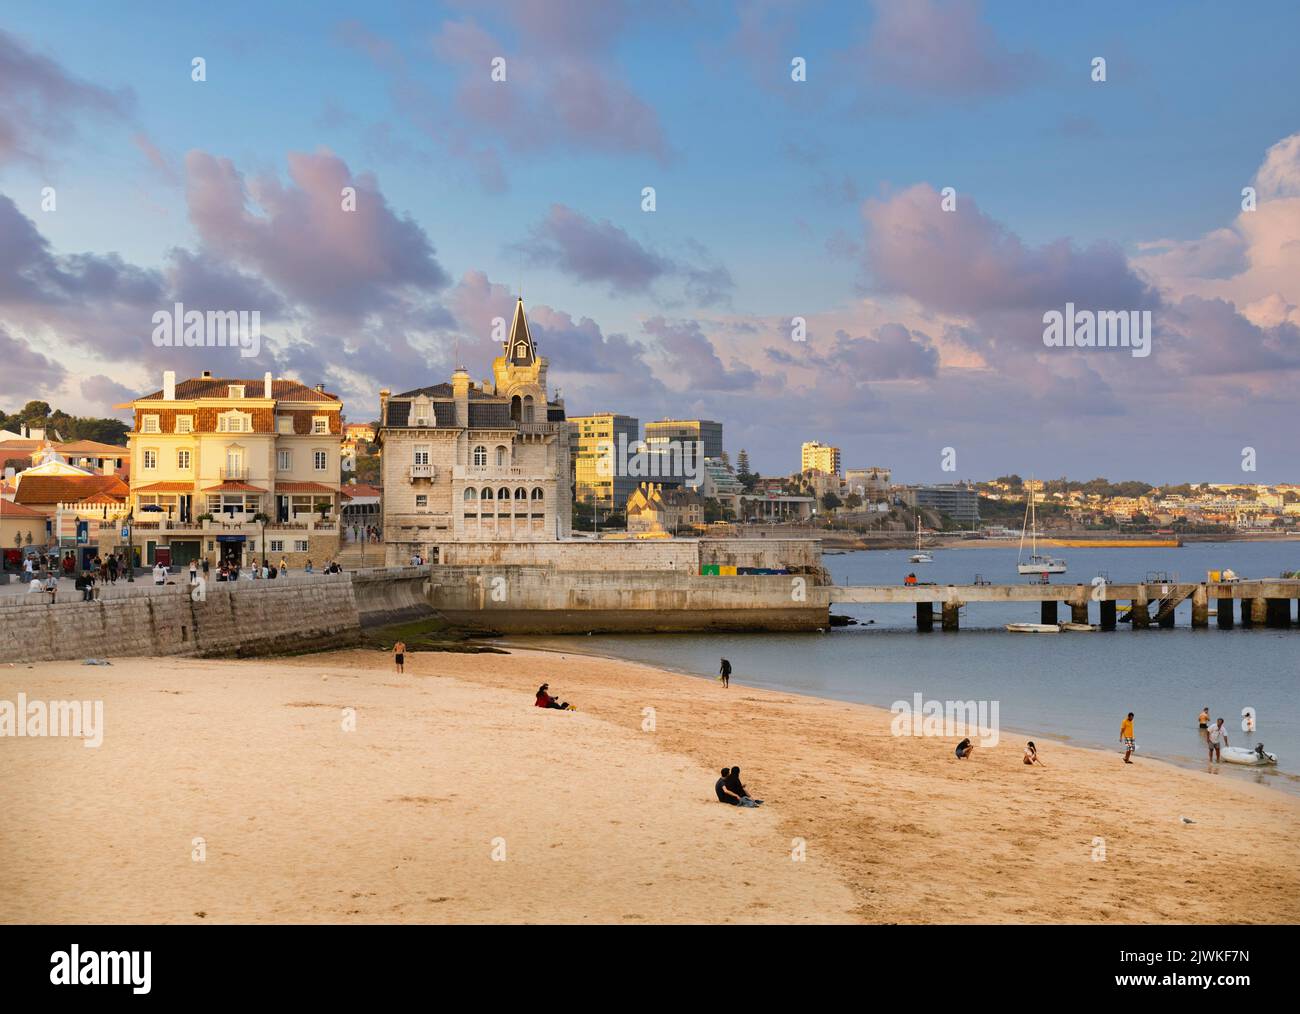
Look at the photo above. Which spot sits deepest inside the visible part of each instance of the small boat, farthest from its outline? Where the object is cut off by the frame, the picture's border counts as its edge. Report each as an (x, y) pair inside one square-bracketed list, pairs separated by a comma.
[(1039, 563), (1241, 755), (920, 556), (1034, 628), (1082, 628)]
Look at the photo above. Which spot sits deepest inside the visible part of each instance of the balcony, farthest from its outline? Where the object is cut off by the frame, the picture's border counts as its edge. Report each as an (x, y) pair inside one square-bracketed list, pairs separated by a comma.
[(539, 428), (423, 471), (233, 474)]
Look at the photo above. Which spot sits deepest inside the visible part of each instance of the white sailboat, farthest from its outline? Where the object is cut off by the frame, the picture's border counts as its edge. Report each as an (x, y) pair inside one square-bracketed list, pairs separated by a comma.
[(920, 556), (1039, 563)]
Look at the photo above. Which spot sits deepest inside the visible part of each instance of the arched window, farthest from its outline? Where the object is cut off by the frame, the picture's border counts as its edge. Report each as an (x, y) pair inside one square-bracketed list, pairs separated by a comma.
[(516, 408), (521, 493), (501, 457), (528, 408), (471, 493), (480, 456), (537, 493), (486, 494), (503, 493)]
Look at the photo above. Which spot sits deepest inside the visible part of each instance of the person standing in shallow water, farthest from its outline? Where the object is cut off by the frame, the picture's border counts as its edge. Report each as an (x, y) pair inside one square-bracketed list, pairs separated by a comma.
[(724, 673)]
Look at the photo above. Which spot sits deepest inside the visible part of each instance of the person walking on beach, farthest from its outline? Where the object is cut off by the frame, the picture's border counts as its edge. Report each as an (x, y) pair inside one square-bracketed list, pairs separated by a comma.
[(399, 656), (724, 673), (1217, 738), (1126, 737)]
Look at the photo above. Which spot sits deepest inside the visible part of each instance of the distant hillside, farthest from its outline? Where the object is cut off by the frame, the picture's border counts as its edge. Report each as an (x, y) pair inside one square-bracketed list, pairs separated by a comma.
[(69, 427)]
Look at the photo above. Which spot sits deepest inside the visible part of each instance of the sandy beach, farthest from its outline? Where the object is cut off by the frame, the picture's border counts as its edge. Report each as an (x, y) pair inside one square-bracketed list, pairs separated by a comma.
[(453, 799)]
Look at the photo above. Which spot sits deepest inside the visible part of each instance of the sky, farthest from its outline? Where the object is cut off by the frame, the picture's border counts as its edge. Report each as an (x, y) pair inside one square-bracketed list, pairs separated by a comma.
[(800, 275)]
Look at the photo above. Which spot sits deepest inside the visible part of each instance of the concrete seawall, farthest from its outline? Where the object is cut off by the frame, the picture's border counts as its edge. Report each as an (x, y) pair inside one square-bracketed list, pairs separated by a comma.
[(257, 618), (522, 600)]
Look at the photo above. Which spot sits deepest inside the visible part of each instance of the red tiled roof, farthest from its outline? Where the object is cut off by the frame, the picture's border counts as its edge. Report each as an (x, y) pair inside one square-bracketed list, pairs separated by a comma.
[(100, 498), (234, 487), (356, 489), (219, 387), (165, 487), (8, 509), (42, 489)]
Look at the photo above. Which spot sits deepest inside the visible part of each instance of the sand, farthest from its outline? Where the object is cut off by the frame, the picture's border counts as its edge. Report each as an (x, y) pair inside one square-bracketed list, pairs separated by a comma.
[(455, 800)]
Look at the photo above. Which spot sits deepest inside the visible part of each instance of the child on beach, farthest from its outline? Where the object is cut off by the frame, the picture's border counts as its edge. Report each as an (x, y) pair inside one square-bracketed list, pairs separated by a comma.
[(1031, 754), (399, 656), (1126, 737), (964, 749)]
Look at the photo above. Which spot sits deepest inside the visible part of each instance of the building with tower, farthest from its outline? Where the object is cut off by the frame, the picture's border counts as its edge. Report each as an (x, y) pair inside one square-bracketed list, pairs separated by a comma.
[(476, 463)]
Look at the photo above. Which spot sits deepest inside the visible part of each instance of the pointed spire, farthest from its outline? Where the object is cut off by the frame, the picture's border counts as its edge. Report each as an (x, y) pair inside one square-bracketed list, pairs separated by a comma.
[(520, 349)]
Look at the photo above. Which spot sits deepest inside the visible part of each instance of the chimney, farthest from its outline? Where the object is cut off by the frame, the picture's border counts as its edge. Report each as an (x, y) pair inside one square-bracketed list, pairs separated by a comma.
[(460, 389), (169, 385), (266, 384), (23, 431), (320, 388), (207, 374), (384, 395)]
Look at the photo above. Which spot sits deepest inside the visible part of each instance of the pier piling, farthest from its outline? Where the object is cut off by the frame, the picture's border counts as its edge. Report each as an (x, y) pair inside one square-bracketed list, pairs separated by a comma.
[(1078, 612), (1141, 614), (1200, 608), (951, 612)]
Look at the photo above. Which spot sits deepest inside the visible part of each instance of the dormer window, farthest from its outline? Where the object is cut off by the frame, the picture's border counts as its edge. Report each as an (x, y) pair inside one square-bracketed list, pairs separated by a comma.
[(236, 390), (235, 422), (149, 424), (284, 424), (320, 424), (422, 412), (185, 424)]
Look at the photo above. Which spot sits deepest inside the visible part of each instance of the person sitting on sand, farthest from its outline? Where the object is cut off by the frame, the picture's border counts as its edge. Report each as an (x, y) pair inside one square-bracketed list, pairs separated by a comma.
[(737, 786), (1031, 754), (727, 794), (545, 700), (964, 749)]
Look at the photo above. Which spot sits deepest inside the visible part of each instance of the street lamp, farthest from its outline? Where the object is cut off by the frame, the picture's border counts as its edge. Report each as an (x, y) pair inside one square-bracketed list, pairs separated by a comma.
[(130, 546)]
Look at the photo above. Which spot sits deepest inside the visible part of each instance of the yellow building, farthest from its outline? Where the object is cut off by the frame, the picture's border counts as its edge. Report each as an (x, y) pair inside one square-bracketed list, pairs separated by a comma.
[(819, 458), (595, 443), (210, 453)]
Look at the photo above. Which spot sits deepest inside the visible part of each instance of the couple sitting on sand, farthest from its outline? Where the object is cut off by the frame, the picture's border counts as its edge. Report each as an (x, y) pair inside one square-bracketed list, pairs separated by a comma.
[(965, 748), (545, 700), (730, 789)]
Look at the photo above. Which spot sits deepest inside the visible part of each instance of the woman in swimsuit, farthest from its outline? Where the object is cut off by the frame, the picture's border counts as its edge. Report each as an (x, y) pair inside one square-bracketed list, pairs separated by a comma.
[(964, 749), (1031, 754)]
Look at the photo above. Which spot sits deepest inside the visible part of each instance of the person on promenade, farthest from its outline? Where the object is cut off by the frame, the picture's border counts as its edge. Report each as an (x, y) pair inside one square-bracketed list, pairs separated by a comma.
[(194, 573), (724, 673), (964, 749), (545, 700), (309, 566), (34, 585), (1203, 720), (284, 566), (1031, 754), (112, 568), (159, 573), (1126, 737), (737, 786), (399, 656), (1217, 738)]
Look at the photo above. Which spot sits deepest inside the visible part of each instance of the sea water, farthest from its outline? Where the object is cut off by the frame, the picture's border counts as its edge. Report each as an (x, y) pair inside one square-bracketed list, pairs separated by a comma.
[(1072, 687)]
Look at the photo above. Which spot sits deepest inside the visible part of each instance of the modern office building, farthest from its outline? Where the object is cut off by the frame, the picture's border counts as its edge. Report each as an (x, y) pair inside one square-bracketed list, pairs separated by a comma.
[(681, 446), (959, 502), (596, 445)]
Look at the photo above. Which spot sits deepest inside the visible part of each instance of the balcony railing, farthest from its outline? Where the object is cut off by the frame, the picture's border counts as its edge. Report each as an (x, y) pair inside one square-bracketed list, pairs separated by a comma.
[(233, 474), (423, 471)]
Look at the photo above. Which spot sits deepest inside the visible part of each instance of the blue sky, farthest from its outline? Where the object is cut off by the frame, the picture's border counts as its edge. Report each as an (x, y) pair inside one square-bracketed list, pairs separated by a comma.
[(764, 194)]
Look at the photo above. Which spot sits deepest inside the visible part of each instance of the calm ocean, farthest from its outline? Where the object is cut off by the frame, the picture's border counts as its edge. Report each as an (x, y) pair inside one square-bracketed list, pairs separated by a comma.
[(1073, 687)]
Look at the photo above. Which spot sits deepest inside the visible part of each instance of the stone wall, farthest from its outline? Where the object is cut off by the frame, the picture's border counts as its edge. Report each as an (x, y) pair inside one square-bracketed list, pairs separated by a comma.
[(252, 618), (680, 555)]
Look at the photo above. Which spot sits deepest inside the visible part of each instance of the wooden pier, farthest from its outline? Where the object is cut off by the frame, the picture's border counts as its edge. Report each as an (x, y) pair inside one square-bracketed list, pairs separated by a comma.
[(1258, 603)]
